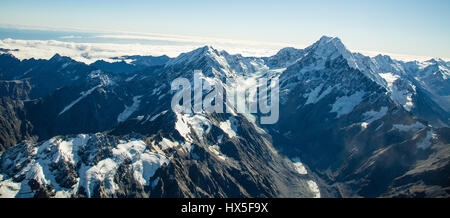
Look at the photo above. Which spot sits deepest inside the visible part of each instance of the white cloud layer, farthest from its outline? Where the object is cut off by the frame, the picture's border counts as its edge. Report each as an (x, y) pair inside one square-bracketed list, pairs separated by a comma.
[(170, 45), (90, 52), (86, 52)]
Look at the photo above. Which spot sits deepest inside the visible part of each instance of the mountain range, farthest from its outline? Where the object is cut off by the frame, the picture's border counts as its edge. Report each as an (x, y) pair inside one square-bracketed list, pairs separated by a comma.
[(349, 126)]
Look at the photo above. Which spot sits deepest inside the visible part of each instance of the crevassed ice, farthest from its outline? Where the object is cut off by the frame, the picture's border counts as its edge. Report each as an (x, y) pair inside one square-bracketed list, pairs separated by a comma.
[(199, 123)]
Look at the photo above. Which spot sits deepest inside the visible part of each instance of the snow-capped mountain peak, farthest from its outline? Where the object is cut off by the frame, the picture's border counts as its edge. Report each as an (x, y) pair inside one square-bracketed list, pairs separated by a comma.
[(193, 56), (327, 46), (215, 63), (330, 48)]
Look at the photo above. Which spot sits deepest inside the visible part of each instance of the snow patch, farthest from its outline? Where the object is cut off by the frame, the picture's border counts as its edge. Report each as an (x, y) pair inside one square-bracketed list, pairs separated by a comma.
[(345, 104), (229, 127), (407, 128), (389, 78), (426, 142), (104, 78), (401, 96), (215, 149), (299, 167), (166, 144), (314, 97), (153, 118), (66, 147), (129, 110), (65, 65), (130, 78), (83, 95), (364, 125), (379, 127), (372, 115), (314, 188), (8, 188)]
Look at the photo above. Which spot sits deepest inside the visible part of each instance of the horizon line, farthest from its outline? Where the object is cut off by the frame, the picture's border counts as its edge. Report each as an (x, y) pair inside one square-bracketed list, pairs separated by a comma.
[(205, 40)]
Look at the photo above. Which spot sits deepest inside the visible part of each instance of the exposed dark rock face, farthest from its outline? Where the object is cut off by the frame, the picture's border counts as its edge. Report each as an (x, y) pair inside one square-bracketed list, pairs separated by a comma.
[(14, 127)]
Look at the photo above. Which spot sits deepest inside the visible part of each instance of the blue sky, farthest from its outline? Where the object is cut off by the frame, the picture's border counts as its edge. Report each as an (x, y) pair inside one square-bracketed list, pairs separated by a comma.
[(410, 27)]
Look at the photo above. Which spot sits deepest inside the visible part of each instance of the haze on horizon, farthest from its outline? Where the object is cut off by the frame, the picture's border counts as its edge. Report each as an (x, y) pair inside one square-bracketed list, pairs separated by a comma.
[(404, 27)]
